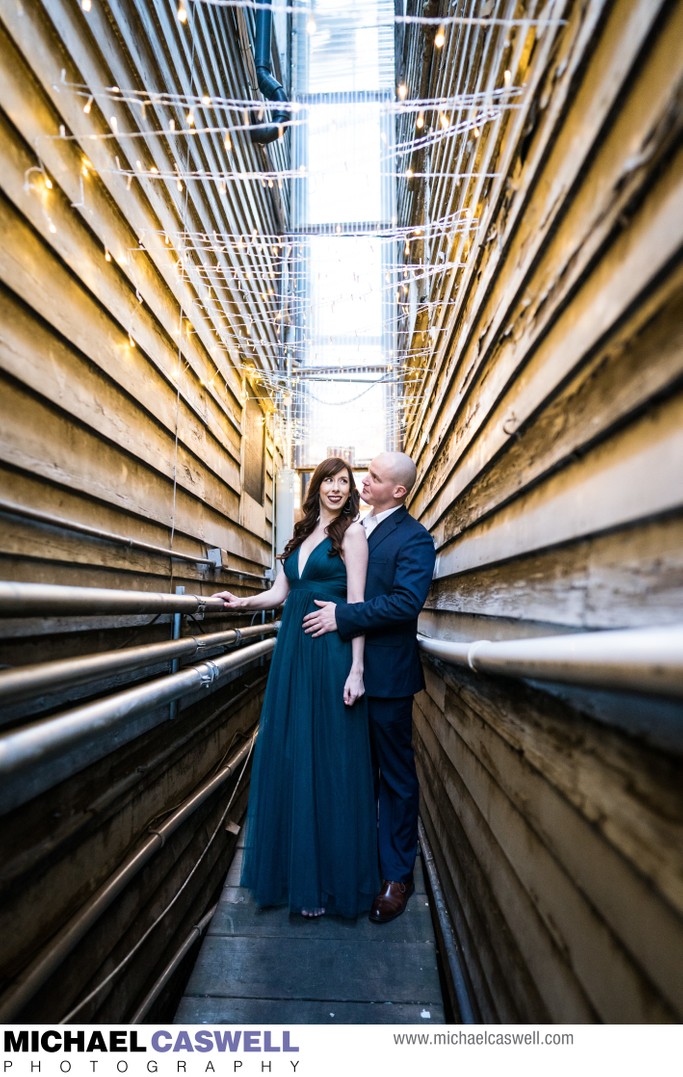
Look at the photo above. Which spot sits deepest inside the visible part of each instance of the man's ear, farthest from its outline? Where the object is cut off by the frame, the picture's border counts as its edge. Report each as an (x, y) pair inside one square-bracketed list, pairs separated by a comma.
[(400, 492)]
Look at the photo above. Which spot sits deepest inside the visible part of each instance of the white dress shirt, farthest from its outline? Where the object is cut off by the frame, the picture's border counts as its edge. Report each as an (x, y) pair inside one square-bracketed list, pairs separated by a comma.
[(371, 521)]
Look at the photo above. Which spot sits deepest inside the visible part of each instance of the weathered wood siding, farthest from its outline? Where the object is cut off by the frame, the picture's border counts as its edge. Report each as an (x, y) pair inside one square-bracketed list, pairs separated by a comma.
[(123, 381), (544, 411), (129, 359)]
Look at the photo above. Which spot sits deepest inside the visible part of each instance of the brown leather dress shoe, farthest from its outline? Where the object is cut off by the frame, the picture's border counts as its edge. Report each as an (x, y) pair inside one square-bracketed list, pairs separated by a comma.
[(391, 901)]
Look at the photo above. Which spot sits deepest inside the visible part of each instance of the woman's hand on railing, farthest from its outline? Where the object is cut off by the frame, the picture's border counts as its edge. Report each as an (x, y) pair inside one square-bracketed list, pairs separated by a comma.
[(230, 601)]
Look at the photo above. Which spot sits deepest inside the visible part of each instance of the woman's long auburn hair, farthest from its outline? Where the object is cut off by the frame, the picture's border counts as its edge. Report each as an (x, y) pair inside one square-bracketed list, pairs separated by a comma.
[(311, 508)]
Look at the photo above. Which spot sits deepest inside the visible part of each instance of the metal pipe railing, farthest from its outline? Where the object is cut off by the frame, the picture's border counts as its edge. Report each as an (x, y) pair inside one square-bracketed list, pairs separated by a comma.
[(39, 971), (452, 959), (46, 599), (35, 757), (26, 682), (648, 660), (171, 967)]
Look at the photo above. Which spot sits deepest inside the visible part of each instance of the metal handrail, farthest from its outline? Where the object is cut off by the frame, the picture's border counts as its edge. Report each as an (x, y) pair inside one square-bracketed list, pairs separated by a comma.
[(452, 959), (25, 682), (44, 599), (648, 660), (36, 974), (34, 758)]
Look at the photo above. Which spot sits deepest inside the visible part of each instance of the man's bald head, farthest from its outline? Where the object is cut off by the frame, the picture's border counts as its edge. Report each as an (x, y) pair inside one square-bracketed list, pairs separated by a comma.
[(401, 468), (391, 477)]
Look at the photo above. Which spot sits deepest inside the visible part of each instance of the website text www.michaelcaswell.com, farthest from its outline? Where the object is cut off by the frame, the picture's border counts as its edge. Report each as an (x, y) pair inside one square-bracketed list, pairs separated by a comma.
[(458, 1037)]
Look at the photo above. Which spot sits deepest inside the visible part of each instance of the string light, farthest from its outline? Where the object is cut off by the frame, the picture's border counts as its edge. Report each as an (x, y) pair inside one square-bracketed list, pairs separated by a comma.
[(216, 266)]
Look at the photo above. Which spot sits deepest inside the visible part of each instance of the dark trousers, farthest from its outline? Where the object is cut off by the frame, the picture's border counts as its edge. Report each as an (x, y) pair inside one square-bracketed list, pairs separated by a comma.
[(396, 788)]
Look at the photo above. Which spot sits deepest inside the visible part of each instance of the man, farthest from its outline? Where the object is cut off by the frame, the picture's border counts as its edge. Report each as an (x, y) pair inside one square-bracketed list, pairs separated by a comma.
[(400, 568)]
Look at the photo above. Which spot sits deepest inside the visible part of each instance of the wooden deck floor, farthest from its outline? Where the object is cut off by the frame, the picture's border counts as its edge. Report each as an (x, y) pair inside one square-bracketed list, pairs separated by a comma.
[(267, 967)]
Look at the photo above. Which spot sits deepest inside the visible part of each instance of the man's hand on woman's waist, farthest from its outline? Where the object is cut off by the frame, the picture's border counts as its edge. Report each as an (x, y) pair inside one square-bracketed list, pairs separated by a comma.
[(321, 620)]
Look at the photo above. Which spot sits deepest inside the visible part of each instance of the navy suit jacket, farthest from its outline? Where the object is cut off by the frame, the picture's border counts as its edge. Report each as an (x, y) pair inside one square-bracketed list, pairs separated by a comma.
[(400, 569)]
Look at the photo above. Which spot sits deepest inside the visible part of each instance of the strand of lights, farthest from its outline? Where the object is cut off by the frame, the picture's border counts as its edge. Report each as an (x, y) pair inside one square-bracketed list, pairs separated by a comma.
[(440, 21), (188, 102)]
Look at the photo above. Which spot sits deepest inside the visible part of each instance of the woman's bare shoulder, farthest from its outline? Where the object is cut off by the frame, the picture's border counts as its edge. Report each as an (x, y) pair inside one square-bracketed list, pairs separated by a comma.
[(355, 531), (355, 541)]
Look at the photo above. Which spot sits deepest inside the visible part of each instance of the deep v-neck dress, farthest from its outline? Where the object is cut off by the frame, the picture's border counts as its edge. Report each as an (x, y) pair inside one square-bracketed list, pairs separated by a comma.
[(311, 839)]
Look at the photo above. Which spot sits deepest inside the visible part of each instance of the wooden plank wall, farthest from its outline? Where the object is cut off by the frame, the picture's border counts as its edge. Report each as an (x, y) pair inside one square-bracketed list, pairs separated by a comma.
[(123, 391), (544, 411), (123, 380)]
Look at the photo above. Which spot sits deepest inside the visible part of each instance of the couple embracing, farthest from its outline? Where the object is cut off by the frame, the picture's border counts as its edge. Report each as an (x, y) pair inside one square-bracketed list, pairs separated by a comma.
[(333, 804)]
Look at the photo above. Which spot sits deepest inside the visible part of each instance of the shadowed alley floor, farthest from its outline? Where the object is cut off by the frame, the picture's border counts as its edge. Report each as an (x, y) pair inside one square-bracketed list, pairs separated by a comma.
[(267, 967)]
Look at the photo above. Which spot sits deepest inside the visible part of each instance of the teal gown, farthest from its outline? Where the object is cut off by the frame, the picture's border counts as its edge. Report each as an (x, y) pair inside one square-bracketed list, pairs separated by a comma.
[(311, 837)]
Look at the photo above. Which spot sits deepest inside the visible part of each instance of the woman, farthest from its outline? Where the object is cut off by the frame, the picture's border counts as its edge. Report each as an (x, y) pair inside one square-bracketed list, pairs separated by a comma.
[(311, 837)]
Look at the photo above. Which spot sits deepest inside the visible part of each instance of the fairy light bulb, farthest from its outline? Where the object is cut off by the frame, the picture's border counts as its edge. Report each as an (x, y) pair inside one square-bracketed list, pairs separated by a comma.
[(86, 5), (87, 106), (182, 13), (48, 183), (420, 121), (403, 91), (440, 38), (310, 26)]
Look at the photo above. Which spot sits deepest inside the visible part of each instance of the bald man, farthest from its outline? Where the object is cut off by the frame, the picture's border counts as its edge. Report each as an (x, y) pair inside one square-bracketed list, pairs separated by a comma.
[(400, 568)]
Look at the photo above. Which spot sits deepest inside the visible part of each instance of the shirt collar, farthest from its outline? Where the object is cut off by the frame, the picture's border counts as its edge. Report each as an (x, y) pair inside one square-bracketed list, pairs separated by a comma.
[(371, 521)]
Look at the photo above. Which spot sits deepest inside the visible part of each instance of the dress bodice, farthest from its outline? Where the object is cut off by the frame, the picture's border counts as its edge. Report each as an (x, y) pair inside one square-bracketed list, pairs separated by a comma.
[(324, 574)]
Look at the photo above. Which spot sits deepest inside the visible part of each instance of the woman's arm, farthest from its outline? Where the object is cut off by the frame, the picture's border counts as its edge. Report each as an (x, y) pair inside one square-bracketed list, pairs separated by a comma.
[(355, 550), (265, 600)]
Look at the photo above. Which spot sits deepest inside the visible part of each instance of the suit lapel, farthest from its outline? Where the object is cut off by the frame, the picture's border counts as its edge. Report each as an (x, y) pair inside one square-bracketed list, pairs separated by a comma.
[(386, 528)]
